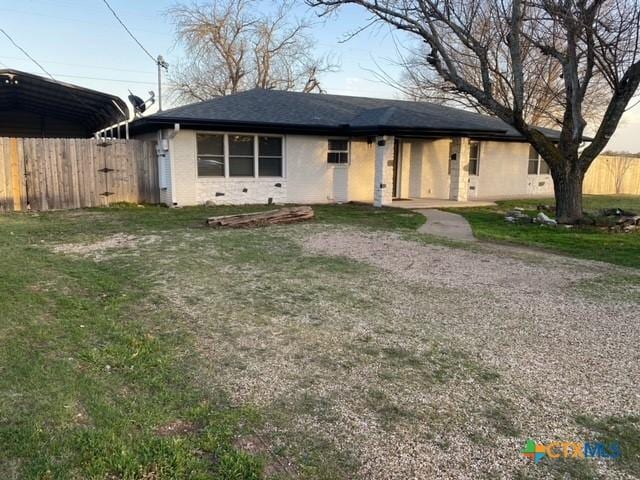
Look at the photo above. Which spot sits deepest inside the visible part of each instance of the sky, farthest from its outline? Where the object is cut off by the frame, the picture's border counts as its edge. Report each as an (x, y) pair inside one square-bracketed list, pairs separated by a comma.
[(80, 42)]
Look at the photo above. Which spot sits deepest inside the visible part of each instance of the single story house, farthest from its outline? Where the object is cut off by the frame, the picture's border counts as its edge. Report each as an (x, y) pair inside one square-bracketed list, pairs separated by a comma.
[(264, 146), (35, 106)]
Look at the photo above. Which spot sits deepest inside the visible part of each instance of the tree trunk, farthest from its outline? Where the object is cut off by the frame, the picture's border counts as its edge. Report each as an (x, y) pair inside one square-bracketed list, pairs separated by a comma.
[(568, 193)]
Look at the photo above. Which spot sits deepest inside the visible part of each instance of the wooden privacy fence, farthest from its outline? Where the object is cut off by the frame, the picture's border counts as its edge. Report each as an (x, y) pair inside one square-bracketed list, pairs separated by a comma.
[(63, 173), (610, 174)]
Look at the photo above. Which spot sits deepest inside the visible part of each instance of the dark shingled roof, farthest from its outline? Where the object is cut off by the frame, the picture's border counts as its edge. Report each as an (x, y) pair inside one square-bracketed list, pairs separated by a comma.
[(261, 110)]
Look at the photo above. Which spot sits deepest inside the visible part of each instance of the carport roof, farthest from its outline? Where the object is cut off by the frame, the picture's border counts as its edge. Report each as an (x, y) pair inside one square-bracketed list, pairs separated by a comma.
[(40, 95)]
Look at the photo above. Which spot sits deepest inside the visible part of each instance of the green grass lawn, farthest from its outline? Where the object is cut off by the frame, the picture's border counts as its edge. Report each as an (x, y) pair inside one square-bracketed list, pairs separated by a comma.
[(185, 352), (92, 363), (620, 248)]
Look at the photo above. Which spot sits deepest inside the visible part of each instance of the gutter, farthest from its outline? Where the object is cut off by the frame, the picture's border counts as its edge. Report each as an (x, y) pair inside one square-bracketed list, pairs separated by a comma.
[(148, 124)]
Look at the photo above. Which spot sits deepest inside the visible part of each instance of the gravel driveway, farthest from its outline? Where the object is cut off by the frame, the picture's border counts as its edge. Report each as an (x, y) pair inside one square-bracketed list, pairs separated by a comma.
[(383, 357)]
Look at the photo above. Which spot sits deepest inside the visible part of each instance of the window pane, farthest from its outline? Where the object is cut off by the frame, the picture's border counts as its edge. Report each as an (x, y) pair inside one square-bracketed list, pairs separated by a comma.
[(270, 166), (241, 145), (210, 166), (473, 151), (337, 157), (533, 167), (473, 167), (533, 155), (339, 144), (210, 144), (544, 168), (240, 166), (270, 146)]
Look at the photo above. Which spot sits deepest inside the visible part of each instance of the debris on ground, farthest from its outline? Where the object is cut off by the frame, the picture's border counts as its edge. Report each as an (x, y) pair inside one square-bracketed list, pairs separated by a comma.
[(618, 220), (517, 215), (615, 220), (545, 219), (259, 219), (546, 208)]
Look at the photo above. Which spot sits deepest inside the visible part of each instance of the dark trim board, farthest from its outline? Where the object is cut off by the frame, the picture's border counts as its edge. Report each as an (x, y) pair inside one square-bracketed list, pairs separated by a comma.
[(148, 125)]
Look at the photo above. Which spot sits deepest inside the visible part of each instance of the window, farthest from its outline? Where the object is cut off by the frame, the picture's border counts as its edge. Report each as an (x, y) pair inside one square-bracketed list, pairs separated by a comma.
[(270, 156), (537, 166), (210, 155), (544, 168), (533, 161), (451, 158), (338, 151), (474, 158), (241, 156)]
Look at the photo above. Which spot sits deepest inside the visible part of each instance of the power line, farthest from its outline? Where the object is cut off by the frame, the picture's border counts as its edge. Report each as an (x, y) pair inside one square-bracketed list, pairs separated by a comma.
[(83, 65), (129, 32), (26, 53)]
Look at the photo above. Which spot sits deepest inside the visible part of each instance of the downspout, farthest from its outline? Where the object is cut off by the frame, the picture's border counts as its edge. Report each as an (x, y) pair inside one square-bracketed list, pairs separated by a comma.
[(169, 151)]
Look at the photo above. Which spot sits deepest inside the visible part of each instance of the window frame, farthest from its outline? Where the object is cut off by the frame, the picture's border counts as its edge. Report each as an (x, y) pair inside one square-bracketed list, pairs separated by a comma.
[(477, 160), (539, 161), (223, 156), (252, 156), (347, 151), (256, 155)]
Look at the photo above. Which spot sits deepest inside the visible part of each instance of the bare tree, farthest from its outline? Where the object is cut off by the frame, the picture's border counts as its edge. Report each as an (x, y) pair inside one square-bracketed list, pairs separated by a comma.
[(231, 47), (499, 55), (618, 166), (545, 106)]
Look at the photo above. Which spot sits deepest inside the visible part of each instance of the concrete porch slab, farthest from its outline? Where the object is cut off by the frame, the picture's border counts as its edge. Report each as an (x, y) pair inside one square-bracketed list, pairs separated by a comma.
[(420, 203)]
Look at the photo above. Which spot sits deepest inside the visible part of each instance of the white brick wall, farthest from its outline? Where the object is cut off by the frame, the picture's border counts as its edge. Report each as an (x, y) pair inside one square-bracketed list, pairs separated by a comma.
[(383, 183), (309, 176), (185, 167), (435, 164), (239, 191), (361, 171), (310, 179), (504, 172), (459, 177)]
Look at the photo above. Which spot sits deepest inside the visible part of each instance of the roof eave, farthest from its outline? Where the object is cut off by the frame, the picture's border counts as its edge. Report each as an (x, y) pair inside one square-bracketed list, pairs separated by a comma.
[(148, 124)]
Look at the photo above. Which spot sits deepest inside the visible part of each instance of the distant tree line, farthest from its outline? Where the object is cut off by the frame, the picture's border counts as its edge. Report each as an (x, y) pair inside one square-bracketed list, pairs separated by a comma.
[(622, 153)]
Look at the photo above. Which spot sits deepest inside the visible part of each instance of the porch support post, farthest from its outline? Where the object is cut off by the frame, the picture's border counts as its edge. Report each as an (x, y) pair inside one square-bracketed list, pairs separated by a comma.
[(459, 186), (383, 178)]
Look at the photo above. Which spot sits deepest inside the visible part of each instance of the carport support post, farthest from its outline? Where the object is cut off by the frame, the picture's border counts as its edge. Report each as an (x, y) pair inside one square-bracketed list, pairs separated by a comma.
[(459, 186), (383, 178)]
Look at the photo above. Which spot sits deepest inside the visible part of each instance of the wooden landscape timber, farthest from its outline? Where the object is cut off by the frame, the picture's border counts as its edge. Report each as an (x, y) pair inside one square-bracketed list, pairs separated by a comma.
[(260, 219)]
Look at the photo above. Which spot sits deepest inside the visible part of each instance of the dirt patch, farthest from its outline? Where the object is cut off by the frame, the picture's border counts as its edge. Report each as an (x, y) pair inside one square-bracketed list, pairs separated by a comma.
[(275, 465), (100, 249), (176, 428), (386, 358)]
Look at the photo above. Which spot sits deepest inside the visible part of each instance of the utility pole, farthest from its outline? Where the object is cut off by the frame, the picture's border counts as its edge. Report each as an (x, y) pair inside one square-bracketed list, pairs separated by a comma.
[(161, 64)]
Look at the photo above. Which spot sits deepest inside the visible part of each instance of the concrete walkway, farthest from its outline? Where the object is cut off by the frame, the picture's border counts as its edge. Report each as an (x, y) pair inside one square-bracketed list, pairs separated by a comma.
[(447, 225), (429, 203)]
